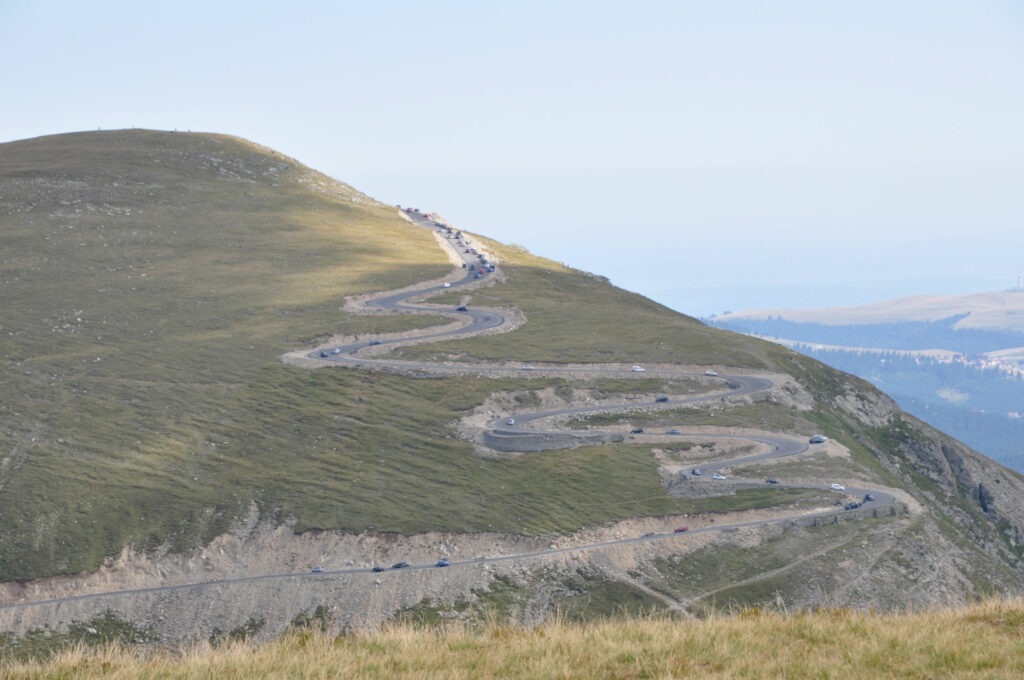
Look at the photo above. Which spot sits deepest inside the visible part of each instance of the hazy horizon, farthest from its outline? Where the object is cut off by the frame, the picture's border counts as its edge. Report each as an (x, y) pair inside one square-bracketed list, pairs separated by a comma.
[(701, 270), (712, 156)]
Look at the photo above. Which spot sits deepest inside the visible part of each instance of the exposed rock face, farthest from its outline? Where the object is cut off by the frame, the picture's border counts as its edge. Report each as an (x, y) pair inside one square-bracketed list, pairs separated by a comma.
[(984, 498)]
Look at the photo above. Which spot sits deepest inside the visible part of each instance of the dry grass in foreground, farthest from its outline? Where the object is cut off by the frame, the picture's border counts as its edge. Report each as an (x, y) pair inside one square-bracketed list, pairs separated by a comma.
[(981, 641)]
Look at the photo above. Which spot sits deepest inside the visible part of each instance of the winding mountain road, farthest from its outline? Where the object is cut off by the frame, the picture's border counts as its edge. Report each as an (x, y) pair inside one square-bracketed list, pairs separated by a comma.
[(479, 321)]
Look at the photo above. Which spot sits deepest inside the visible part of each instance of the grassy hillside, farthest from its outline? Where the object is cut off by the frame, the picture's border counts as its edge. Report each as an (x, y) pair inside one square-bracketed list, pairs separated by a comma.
[(982, 641), (152, 280)]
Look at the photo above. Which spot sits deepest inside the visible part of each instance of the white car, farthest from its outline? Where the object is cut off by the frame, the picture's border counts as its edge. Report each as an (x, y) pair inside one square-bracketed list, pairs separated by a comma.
[(818, 439), (510, 421), (711, 373), (718, 475), (639, 369), (446, 285), (837, 487)]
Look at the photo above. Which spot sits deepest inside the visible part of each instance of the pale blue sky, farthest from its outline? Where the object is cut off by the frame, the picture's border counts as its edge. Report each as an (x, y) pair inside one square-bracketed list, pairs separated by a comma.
[(712, 155)]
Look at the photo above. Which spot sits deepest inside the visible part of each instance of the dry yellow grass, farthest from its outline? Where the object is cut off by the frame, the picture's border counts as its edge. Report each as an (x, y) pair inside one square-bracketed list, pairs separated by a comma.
[(982, 641)]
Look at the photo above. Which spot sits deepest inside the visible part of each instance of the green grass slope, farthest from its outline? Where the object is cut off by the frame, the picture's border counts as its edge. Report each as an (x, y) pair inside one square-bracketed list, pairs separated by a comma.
[(151, 281)]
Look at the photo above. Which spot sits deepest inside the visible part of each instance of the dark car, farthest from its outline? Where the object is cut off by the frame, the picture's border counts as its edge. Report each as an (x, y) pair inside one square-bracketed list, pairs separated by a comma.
[(869, 497), (442, 563), (399, 565), (679, 530), (461, 308), (377, 569), (323, 355), (771, 481), (637, 430), (661, 400), (673, 431), (696, 472), (851, 506), (375, 342), (318, 570)]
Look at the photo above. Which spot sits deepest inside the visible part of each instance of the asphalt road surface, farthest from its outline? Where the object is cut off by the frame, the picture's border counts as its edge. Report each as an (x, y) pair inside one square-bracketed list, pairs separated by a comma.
[(483, 320)]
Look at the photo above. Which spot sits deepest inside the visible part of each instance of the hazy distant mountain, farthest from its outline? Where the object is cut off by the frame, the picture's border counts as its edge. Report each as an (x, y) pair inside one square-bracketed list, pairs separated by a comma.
[(152, 435), (955, 361), (998, 310)]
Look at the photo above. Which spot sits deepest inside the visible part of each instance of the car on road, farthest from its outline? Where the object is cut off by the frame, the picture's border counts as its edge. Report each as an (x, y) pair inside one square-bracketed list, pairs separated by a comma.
[(318, 570), (649, 534), (336, 350), (711, 373), (400, 565), (696, 472), (442, 563), (837, 487), (510, 421), (446, 285), (661, 400), (718, 475), (869, 497), (323, 355), (377, 569), (637, 430), (818, 439), (639, 369), (673, 431), (529, 368), (461, 308), (771, 481), (375, 342), (851, 506), (680, 530)]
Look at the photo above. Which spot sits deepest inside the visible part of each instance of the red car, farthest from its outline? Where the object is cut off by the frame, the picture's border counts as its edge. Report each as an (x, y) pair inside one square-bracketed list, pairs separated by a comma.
[(680, 530)]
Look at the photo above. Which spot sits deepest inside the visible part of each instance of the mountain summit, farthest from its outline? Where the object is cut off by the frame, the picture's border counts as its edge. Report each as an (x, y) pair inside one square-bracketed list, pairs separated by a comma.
[(183, 445)]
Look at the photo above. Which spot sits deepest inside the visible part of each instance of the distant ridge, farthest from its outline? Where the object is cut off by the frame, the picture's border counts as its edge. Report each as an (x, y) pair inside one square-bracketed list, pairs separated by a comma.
[(955, 361), (996, 310)]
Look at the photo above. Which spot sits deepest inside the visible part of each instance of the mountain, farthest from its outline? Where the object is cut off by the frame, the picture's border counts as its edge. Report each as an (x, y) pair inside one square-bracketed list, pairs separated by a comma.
[(955, 361), (176, 456), (993, 311)]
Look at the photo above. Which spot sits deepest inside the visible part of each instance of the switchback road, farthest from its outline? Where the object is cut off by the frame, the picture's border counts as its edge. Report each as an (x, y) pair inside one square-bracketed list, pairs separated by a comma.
[(477, 267)]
